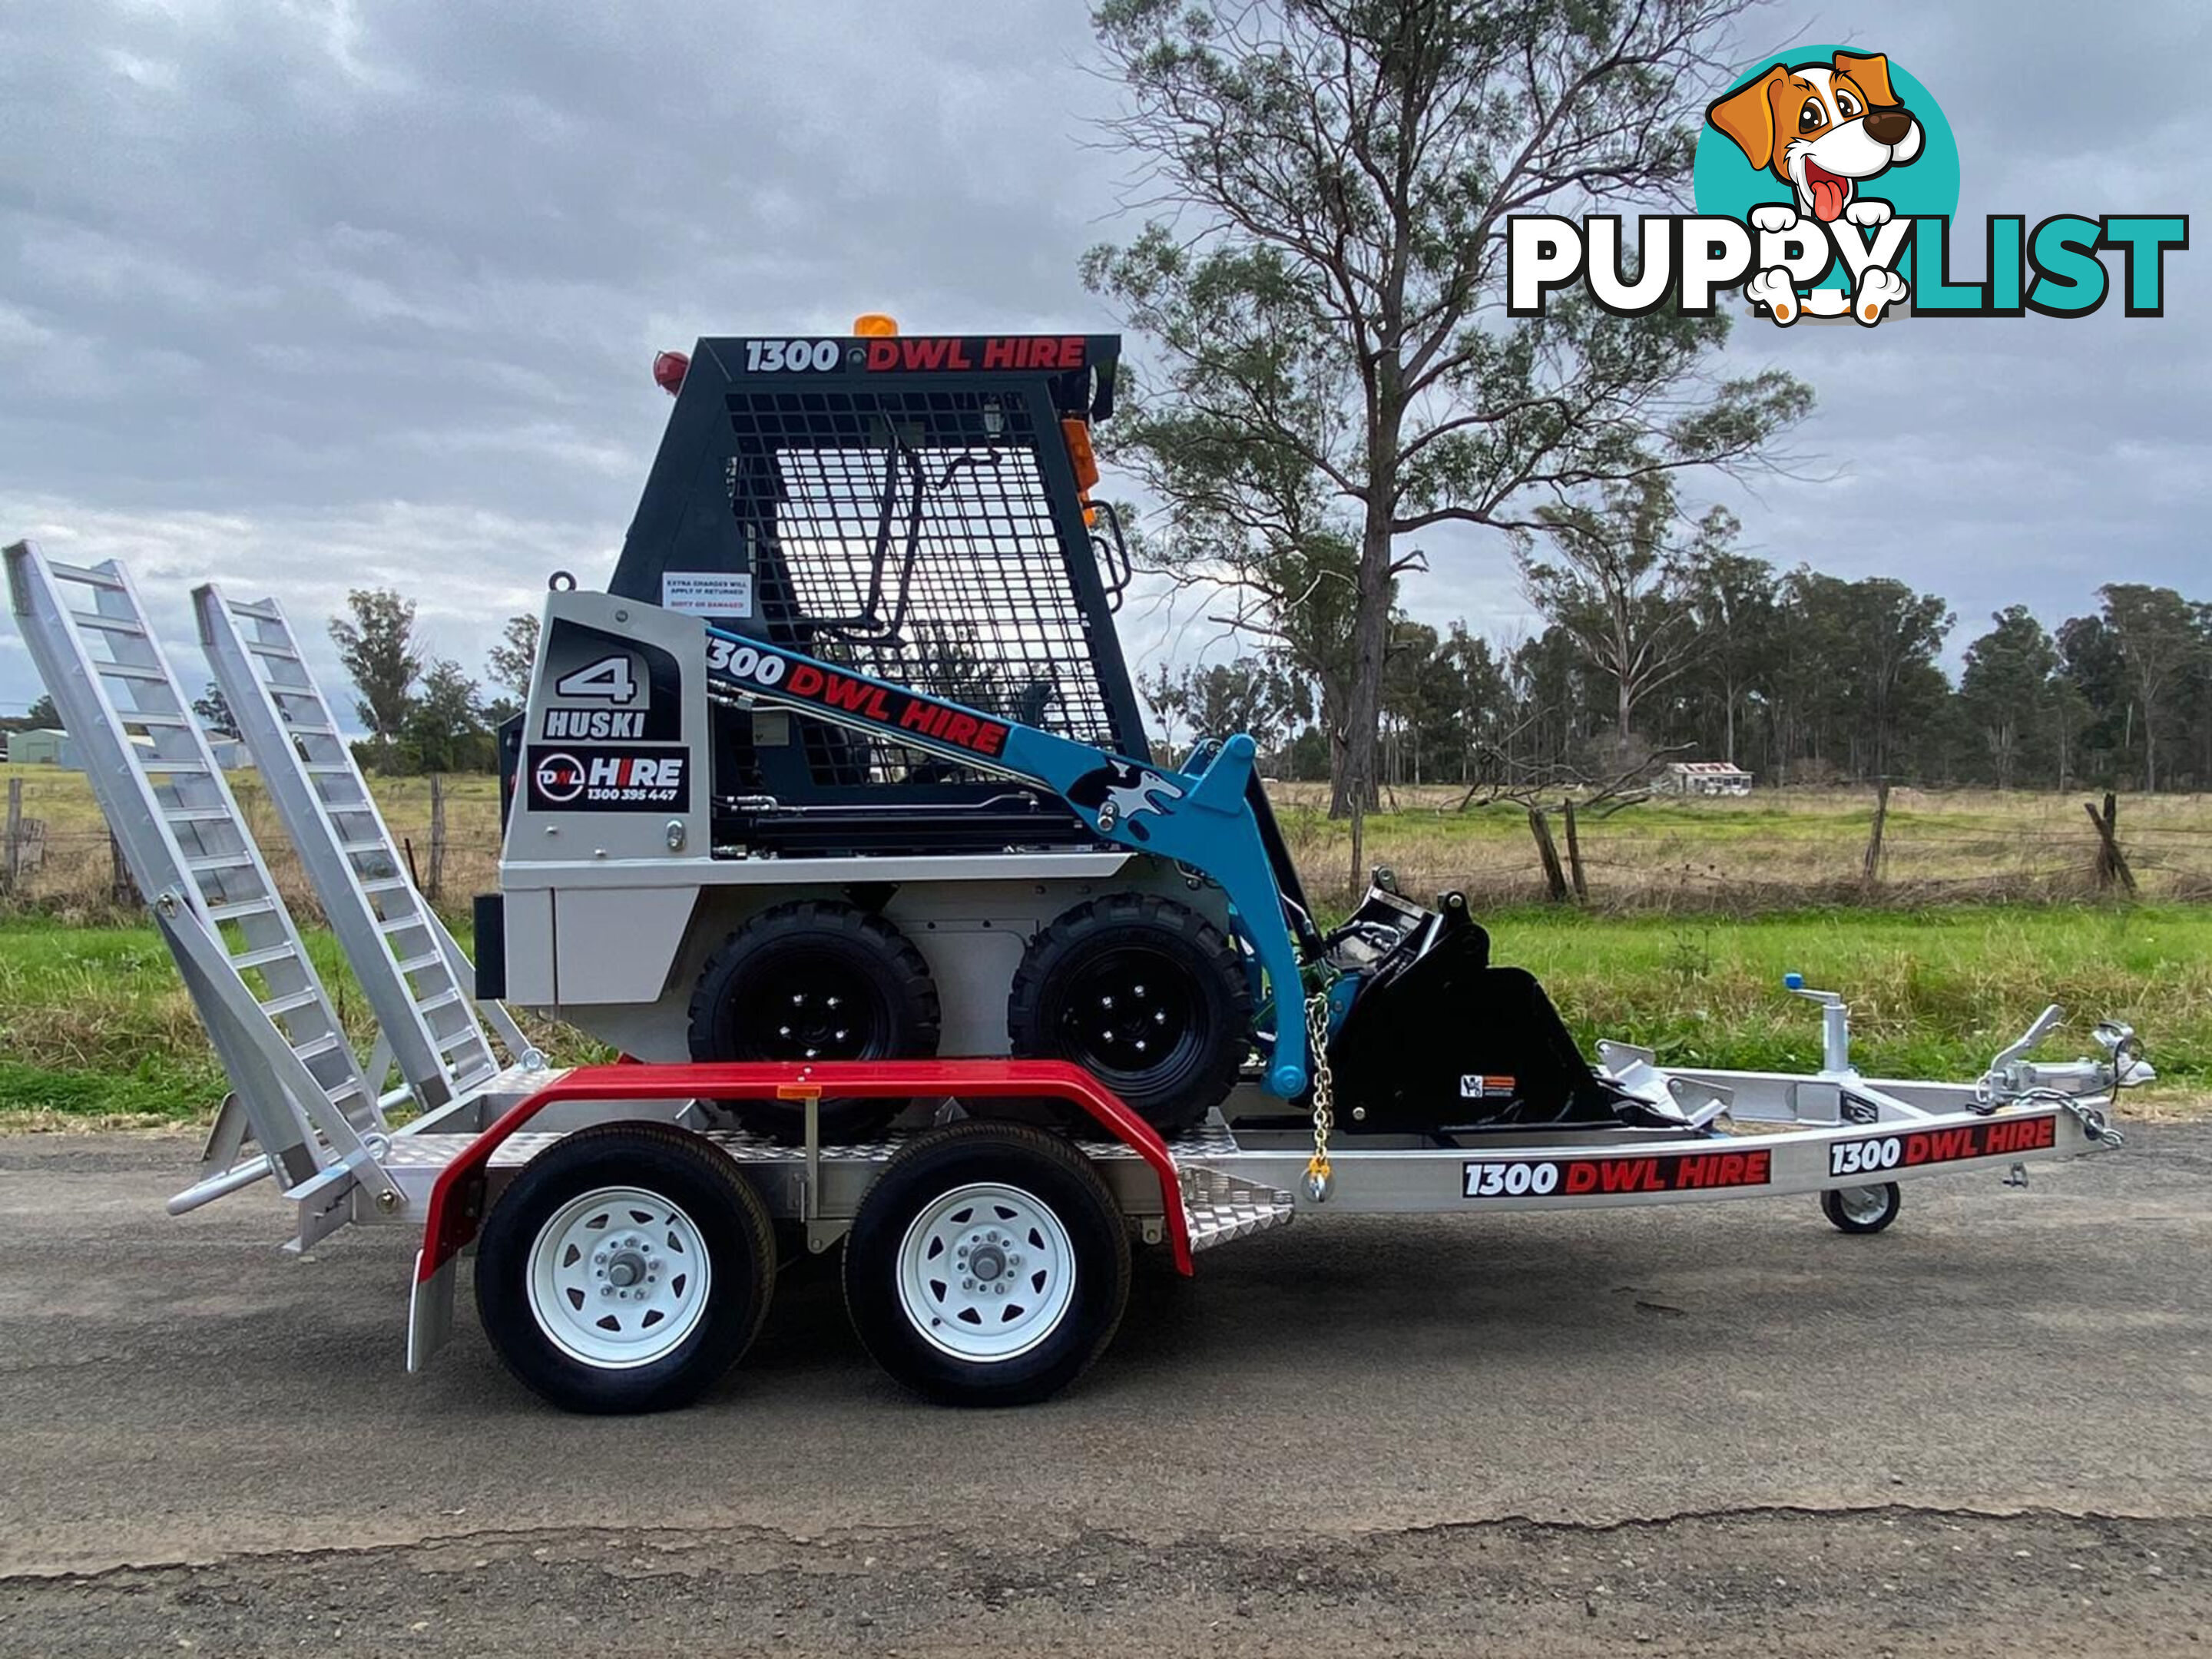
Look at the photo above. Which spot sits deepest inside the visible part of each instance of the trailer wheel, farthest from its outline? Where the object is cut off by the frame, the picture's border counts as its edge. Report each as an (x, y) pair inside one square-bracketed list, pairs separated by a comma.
[(1862, 1209), (1143, 992), (627, 1269), (987, 1266), (815, 979)]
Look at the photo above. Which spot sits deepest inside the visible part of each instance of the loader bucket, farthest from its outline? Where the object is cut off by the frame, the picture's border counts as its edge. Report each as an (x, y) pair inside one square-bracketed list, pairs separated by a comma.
[(1443, 1039)]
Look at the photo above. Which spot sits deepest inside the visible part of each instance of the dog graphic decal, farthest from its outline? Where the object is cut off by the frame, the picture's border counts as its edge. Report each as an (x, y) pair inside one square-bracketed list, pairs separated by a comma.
[(1120, 792), (1825, 184), (1822, 129)]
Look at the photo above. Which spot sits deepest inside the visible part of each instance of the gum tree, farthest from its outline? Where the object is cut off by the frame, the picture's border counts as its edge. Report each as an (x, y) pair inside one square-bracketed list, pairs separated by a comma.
[(1323, 278)]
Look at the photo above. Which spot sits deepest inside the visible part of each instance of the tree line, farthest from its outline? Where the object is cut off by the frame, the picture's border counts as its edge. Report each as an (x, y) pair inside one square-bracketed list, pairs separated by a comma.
[(1799, 677), (423, 714)]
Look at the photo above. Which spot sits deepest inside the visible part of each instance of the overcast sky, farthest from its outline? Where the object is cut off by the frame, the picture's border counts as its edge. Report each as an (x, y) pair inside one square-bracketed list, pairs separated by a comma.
[(307, 294)]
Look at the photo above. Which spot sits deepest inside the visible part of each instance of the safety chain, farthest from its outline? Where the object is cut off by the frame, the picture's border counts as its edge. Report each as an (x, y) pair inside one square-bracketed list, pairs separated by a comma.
[(2096, 1124), (1318, 1178)]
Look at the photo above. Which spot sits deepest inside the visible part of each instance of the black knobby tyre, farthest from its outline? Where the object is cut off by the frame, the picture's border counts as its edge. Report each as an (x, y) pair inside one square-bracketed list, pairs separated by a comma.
[(644, 1196), (1146, 994), (1862, 1209), (815, 979), (1046, 1303)]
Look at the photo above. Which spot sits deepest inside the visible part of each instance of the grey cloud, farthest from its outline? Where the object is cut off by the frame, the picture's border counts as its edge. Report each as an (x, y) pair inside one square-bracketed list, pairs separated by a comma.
[(311, 295)]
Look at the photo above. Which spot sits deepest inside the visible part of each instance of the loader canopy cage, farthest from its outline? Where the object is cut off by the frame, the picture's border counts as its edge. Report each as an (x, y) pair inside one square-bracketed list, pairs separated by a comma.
[(908, 507)]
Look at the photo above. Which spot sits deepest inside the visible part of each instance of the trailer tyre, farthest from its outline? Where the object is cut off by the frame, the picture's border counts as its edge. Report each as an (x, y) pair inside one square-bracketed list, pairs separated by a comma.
[(627, 1269), (987, 1266), (1146, 995), (815, 979), (1862, 1209)]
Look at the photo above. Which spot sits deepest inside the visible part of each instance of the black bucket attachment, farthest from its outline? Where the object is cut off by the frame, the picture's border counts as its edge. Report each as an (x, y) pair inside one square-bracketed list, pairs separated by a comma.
[(1438, 1038)]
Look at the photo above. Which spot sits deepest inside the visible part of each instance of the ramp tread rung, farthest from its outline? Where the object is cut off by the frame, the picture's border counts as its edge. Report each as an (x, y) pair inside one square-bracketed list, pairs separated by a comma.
[(235, 908), (129, 627), (85, 574), (264, 955)]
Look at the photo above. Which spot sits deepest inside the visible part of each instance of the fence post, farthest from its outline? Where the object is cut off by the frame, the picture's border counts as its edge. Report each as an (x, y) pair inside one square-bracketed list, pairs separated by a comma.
[(120, 887), (1872, 871), (437, 836), (1356, 884), (11, 871), (1555, 879), (1574, 854), (2111, 863)]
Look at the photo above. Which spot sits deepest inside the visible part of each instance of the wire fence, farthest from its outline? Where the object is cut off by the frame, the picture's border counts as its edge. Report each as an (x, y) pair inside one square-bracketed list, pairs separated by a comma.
[(56, 855), (1776, 850)]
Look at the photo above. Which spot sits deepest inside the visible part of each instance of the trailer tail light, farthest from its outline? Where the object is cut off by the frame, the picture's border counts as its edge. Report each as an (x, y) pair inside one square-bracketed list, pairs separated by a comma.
[(669, 369)]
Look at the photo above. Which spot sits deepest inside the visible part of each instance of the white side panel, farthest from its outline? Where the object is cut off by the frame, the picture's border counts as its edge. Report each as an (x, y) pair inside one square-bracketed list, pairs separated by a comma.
[(530, 948), (973, 963), (618, 946)]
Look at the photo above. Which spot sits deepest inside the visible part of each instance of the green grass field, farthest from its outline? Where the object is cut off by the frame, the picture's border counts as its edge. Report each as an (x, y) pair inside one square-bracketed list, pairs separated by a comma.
[(94, 1027)]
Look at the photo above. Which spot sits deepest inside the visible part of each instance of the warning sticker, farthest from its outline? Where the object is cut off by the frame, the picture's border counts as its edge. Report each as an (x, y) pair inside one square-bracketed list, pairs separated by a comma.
[(707, 593)]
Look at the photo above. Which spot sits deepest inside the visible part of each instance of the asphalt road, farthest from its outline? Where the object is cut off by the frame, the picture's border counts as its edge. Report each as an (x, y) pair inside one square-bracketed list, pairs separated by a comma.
[(1726, 1429)]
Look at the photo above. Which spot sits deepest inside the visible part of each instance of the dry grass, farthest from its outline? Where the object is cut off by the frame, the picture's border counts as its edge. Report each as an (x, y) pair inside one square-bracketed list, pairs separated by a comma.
[(1775, 849), (74, 882)]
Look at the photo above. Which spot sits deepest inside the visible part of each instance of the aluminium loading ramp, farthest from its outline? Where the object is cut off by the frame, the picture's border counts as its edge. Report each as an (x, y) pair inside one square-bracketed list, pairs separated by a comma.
[(298, 1087), (411, 969)]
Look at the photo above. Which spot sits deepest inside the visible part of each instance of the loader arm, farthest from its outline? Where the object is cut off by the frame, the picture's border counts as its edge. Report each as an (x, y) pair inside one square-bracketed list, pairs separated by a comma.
[(1203, 820)]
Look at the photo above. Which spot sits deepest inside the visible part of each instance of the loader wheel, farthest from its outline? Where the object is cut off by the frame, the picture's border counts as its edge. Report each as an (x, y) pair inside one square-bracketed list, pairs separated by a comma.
[(1862, 1209), (627, 1269), (815, 979), (1146, 994), (987, 1266)]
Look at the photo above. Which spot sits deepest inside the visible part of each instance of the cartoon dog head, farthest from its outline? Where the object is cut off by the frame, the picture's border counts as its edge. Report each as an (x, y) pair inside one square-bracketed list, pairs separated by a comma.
[(1820, 128)]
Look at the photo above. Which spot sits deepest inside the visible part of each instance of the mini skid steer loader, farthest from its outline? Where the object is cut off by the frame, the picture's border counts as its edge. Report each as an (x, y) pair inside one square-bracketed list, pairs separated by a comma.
[(845, 765)]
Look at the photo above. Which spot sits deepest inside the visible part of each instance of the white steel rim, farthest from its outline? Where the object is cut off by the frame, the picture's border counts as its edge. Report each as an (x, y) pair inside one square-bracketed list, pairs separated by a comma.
[(618, 1278), (986, 1272), (1864, 1204)]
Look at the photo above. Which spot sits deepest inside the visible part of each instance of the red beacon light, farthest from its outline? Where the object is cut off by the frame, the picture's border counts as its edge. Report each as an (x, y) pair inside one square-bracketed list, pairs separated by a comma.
[(669, 369)]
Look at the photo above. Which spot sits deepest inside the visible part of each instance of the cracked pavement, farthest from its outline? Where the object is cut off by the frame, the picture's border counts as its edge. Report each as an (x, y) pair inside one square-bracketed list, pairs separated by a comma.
[(1725, 1429)]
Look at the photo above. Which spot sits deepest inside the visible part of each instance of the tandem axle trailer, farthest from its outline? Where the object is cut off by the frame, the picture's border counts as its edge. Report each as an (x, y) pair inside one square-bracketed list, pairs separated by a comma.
[(1848, 1143)]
